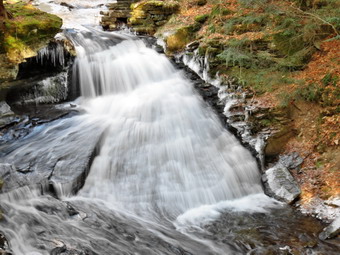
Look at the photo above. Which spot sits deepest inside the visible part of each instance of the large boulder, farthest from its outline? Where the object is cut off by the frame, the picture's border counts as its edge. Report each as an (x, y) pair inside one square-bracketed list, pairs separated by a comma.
[(280, 184)]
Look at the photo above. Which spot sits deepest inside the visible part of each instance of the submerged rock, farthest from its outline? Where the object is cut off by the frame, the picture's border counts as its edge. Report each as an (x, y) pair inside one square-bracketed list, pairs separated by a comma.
[(280, 184)]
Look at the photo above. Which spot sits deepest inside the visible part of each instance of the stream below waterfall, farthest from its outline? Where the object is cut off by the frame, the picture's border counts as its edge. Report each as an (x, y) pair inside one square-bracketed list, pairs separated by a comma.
[(164, 175)]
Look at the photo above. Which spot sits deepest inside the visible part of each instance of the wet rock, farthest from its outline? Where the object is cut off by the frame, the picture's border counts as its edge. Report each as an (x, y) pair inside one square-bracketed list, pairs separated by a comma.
[(69, 6), (5, 109), (58, 250), (52, 89), (333, 230), (280, 184), (44, 159), (4, 247), (7, 116)]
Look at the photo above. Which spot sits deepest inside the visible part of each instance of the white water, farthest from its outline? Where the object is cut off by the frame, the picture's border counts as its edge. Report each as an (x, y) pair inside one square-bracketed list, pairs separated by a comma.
[(163, 149)]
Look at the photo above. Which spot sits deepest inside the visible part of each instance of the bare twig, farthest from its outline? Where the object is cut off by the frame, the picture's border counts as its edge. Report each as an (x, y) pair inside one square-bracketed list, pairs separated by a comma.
[(316, 17)]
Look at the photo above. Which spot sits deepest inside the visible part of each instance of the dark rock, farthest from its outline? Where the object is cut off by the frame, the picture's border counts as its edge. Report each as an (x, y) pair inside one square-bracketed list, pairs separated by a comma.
[(4, 246), (69, 6), (58, 250), (332, 231), (280, 184), (39, 91)]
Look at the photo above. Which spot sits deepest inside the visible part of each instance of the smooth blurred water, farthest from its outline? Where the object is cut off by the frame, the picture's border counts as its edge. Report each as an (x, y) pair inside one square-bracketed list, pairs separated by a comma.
[(163, 149)]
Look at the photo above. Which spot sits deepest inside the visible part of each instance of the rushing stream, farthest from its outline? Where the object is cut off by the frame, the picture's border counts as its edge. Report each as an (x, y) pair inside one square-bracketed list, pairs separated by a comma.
[(166, 176)]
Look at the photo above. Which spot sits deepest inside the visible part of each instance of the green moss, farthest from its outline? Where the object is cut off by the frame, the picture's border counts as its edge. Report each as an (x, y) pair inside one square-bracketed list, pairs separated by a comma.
[(179, 39), (201, 18), (27, 31)]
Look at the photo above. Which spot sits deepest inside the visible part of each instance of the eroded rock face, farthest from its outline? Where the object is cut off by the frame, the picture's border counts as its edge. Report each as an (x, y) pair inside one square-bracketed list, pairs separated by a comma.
[(280, 184)]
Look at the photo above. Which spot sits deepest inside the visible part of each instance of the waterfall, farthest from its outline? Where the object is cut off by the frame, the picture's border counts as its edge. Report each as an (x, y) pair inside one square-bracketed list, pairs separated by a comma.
[(164, 150)]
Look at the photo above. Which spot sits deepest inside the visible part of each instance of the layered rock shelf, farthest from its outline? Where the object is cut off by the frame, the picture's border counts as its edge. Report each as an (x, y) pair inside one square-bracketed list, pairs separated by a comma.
[(147, 16), (144, 16), (118, 13)]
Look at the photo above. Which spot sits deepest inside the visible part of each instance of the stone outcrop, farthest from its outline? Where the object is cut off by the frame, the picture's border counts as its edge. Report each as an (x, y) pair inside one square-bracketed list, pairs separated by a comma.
[(23, 36), (147, 16), (143, 16), (118, 13)]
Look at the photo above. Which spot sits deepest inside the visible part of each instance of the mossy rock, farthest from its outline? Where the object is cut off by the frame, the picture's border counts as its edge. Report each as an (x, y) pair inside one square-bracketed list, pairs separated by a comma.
[(147, 16), (178, 40), (22, 36), (143, 29), (28, 31), (154, 5)]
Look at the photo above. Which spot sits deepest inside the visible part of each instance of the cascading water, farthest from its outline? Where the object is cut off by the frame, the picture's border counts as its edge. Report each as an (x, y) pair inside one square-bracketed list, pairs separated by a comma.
[(163, 149), (167, 178)]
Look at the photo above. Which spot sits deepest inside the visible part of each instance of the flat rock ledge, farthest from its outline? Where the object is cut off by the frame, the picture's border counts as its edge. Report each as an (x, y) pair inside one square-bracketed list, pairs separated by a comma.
[(280, 184)]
